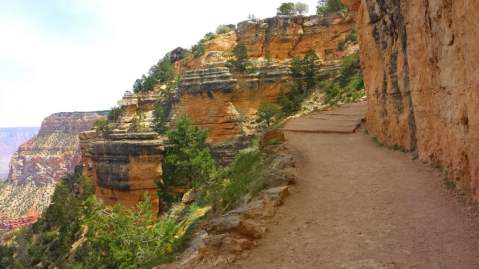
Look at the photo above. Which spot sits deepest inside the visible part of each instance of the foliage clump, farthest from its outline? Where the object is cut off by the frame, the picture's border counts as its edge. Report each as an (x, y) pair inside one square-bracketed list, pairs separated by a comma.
[(162, 72), (133, 238), (242, 62), (291, 9), (267, 114), (304, 72), (345, 85), (351, 38), (225, 28), (329, 6), (188, 161), (244, 175)]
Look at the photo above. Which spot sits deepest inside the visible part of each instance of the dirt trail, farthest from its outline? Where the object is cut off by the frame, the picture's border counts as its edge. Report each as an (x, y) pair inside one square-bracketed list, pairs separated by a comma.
[(360, 205)]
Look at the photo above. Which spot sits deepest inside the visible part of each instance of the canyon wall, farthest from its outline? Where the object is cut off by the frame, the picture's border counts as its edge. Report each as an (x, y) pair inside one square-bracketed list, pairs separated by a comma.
[(10, 139), (126, 161), (39, 163), (420, 69), (55, 151)]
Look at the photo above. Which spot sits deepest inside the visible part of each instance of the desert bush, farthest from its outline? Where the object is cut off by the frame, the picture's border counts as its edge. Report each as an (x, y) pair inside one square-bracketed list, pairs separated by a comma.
[(344, 86), (225, 28), (242, 176), (328, 6), (286, 9), (267, 114)]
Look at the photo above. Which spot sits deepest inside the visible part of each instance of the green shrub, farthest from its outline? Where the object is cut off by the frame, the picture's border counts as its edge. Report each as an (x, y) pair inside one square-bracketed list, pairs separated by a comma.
[(242, 62), (188, 161), (102, 125), (242, 176), (328, 6), (286, 9), (347, 85), (268, 113), (114, 114), (198, 49), (133, 238), (301, 8), (305, 76), (291, 100), (225, 28), (163, 72)]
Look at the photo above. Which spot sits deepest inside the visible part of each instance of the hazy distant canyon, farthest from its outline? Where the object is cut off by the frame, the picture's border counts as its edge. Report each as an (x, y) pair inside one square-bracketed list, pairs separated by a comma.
[(10, 140)]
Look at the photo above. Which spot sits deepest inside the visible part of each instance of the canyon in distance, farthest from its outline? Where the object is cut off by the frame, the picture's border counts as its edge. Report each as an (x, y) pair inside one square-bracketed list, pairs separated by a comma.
[(339, 134)]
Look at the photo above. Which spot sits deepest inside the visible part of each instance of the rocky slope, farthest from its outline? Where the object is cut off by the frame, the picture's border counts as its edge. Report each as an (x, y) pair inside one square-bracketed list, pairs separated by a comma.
[(420, 70), (10, 139), (213, 94), (39, 163)]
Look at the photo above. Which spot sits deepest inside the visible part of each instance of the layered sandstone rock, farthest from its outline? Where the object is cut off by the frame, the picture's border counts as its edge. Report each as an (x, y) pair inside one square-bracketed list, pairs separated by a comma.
[(39, 163), (54, 152), (213, 95), (283, 37), (420, 68), (10, 139), (125, 166)]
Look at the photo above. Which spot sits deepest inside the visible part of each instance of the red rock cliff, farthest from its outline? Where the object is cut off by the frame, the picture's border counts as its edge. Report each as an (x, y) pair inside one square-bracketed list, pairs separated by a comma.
[(420, 68)]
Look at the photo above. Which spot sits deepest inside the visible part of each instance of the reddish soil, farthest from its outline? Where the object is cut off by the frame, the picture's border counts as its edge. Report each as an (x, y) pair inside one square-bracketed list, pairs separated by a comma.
[(360, 205)]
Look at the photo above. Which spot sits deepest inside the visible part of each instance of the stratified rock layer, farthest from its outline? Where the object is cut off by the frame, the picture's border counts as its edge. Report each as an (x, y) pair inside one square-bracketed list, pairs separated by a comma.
[(420, 65), (54, 152), (10, 139), (214, 95), (125, 167)]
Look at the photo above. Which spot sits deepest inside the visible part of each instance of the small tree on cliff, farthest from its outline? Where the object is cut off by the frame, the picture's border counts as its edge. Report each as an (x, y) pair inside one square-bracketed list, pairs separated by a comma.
[(286, 9), (327, 6), (301, 8), (188, 161)]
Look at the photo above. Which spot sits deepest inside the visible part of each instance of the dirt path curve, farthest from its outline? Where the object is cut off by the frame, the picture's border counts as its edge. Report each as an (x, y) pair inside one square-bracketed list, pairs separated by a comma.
[(360, 205)]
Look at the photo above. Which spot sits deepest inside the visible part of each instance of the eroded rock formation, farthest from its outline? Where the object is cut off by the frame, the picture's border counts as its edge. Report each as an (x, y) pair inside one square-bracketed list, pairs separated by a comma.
[(213, 94), (39, 163), (10, 139), (420, 69), (54, 152)]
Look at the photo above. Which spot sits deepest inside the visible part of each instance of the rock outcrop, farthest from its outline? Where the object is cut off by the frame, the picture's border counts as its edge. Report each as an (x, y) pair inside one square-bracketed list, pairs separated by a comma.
[(10, 139), (124, 167), (39, 163), (213, 94), (420, 69), (55, 151)]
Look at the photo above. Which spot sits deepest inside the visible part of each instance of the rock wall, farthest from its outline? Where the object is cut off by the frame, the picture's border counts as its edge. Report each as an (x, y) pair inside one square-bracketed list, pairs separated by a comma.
[(10, 139), (124, 166), (39, 163), (283, 37), (420, 68), (54, 152)]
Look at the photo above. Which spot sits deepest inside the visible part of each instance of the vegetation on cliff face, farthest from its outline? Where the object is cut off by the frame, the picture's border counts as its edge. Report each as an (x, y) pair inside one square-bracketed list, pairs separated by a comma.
[(304, 72), (188, 161), (345, 85), (76, 231), (290, 8), (328, 6), (163, 72)]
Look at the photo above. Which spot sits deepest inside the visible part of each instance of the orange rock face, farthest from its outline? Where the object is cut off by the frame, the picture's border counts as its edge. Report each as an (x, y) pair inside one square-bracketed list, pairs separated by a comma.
[(213, 95), (420, 68), (124, 167), (284, 37)]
